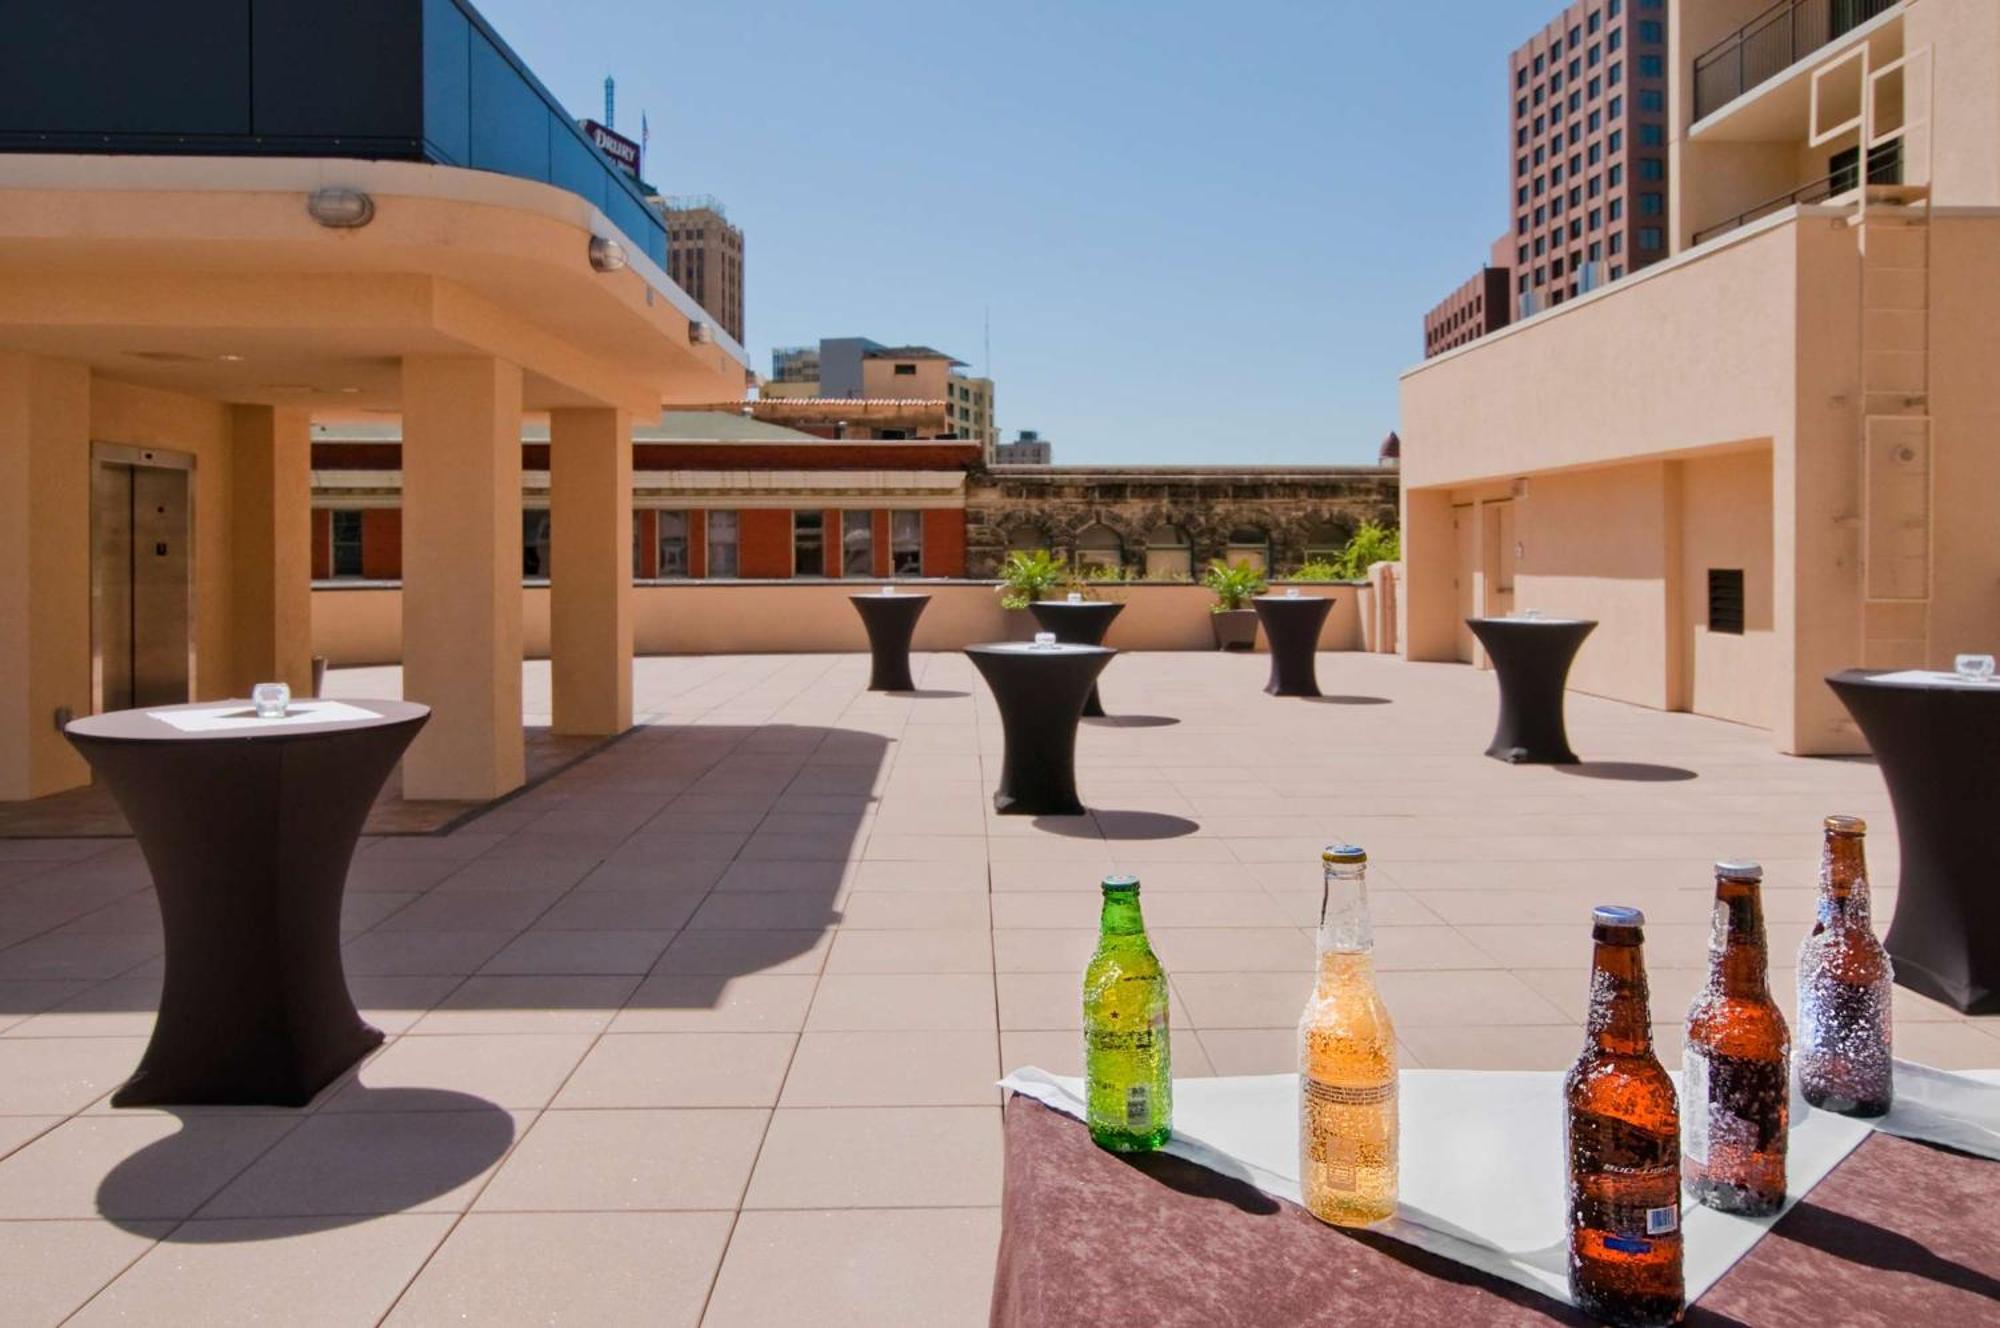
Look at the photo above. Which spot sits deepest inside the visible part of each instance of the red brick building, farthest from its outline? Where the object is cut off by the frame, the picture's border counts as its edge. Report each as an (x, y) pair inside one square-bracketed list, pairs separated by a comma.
[(1483, 304), (715, 495)]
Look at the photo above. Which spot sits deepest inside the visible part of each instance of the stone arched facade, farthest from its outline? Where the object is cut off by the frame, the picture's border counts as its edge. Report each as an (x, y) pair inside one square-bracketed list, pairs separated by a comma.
[(1208, 503)]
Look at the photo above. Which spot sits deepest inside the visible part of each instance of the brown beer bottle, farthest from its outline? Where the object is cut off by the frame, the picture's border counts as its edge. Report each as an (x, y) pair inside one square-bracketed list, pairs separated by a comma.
[(1845, 1034), (1622, 1135), (1736, 1080)]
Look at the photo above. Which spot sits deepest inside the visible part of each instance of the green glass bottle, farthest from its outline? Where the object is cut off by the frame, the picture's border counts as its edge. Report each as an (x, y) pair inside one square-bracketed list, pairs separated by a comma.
[(1127, 1072)]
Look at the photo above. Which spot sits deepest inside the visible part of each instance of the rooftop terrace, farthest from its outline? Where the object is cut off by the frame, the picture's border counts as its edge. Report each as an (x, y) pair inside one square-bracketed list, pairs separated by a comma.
[(709, 1022)]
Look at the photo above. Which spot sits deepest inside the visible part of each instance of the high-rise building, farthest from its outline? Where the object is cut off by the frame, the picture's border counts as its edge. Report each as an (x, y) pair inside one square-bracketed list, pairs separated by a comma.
[(705, 257), (1589, 140), (1483, 304), (1030, 449)]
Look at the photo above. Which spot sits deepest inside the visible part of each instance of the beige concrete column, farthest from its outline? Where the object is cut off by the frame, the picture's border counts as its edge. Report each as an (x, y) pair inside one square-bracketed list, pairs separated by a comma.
[(590, 570), (462, 574), (270, 552), (1428, 605), (44, 571)]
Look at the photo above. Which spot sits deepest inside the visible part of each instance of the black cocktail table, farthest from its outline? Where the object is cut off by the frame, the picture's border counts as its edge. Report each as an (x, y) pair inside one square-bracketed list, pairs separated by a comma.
[(1078, 622), (1937, 741), (891, 621), (1291, 625), (1040, 691), (248, 827), (1532, 658)]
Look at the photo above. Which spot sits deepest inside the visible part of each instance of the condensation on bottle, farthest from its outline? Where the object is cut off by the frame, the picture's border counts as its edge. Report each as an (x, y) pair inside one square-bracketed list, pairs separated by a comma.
[(1846, 1035), (1127, 1046)]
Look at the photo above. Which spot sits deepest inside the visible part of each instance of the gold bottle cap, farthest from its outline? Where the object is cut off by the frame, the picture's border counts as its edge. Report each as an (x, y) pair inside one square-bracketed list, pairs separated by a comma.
[(1847, 825), (1344, 853)]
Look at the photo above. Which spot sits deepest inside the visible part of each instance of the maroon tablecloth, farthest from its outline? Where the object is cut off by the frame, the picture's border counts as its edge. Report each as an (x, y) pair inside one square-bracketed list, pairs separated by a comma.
[(1900, 1234)]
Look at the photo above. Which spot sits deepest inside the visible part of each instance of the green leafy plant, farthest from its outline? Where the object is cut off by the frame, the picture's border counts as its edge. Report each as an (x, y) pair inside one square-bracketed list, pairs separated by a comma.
[(1373, 543), (1233, 584), (1032, 574), (1317, 569), (1111, 572)]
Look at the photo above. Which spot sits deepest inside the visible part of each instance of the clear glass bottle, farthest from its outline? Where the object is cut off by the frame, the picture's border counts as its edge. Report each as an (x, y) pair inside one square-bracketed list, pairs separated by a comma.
[(1347, 1061), (1846, 1028), (1128, 1070)]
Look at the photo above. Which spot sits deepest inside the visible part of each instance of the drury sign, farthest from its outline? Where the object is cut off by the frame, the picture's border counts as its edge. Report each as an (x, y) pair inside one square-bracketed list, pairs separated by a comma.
[(623, 152)]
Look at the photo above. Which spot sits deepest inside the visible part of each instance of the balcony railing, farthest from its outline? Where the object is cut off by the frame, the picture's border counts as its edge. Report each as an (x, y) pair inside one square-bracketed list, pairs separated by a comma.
[(1885, 167), (1771, 43)]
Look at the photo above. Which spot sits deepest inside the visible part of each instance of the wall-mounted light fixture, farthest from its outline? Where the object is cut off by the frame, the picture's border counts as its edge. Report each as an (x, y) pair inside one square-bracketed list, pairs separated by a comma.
[(340, 207), (606, 254)]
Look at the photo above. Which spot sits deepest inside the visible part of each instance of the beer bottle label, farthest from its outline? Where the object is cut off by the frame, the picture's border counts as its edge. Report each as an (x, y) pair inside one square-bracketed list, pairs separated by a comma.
[(1139, 1106), (1694, 1113), (1321, 1093)]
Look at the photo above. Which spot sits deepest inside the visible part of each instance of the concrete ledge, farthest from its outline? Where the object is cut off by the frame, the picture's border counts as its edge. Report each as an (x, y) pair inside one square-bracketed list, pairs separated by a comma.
[(362, 622)]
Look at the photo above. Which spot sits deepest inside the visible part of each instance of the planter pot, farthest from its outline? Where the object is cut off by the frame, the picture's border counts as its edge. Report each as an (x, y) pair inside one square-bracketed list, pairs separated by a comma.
[(1235, 629)]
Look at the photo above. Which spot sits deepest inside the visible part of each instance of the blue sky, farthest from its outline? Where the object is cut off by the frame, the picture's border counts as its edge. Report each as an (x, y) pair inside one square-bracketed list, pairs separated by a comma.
[(1205, 232)]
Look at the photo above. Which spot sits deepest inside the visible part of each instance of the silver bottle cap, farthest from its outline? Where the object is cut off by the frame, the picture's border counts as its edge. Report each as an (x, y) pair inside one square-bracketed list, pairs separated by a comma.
[(1120, 882), (1740, 869), (1617, 915)]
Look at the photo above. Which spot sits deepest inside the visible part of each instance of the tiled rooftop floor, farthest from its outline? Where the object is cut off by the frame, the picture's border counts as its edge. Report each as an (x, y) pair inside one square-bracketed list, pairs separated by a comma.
[(705, 1029)]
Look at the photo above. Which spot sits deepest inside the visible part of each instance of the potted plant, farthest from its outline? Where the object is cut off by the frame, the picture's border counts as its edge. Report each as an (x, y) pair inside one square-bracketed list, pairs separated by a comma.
[(1235, 622)]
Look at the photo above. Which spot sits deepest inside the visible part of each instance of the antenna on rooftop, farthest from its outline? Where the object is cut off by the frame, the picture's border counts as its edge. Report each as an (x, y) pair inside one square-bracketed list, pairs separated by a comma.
[(986, 371), (610, 102)]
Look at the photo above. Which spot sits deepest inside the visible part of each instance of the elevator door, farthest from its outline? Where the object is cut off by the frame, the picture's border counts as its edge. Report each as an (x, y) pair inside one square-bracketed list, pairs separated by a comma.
[(141, 545)]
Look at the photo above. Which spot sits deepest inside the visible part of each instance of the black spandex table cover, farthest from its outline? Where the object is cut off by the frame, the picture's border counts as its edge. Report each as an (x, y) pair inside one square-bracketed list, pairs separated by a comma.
[(1938, 747), (1291, 625), (891, 621), (248, 836), (1040, 691), (1083, 623), (1532, 658)]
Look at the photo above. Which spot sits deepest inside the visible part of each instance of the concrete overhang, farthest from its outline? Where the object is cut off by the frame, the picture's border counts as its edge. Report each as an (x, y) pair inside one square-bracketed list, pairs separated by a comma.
[(208, 276)]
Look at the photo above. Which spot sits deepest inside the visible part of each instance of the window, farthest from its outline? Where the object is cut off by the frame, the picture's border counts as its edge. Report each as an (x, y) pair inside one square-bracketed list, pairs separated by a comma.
[(1521, 254), (1596, 22), (1615, 211), (808, 544), (1540, 181), (722, 544), (1575, 37), (1596, 121), (346, 543), (1652, 168), (1521, 137), (1650, 237), (1521, 106), (906, 543), (1541, 246), (1575, 70), (1652, 205), (906, 371), (1615, 107), (1615, 40), (1520, 166), (1615, 140), (1725, 600), (1617, 271), (857, 544), (1541, 154), (1520, 78), (1616, 76), (1616, 174), (1575, 102), (673, 538), (1575, 197), (1521, 194), (1596, 218), (1596, 251), (1649, 31), (535, 542), (1652, 99), (1556, 82), (1521, 226), (1099, 546), (1170, 556), (1596, 88), (1249, 544), (1596, 58), (1596, 154), (1541, 214), (1540, 64), (1575, 133), (1556, 207), (1596, 188), (1541, 94), (1576, 231), (1615, 8), (1576, 166)]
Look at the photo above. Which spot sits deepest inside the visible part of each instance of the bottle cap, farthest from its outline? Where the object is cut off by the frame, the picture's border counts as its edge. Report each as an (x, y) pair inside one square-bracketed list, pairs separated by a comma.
[(1121, 882), (1846, 825), (1345, 853), (1617, 915), (1740, 869)]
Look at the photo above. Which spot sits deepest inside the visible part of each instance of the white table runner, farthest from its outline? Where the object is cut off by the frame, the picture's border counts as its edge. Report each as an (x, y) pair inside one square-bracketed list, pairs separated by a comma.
[(238, 716), (1483, 1173)]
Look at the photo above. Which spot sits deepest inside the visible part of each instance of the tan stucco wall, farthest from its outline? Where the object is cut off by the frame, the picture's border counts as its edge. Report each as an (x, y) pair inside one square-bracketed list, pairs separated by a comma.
[(1965, 408), (363, 625), (1726, 522)]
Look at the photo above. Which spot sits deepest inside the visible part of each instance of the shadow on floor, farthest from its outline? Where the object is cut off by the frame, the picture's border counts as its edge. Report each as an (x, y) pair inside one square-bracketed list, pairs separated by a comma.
[(1130, 721), (933, 694), (1349, 700), (1110, 823), (1863, 1243), (1638, 772), (380, 1151), (90, 813)]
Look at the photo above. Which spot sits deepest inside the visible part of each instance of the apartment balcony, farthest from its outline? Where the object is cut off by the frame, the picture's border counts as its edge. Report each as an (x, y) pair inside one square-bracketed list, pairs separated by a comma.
[(1771, 43)]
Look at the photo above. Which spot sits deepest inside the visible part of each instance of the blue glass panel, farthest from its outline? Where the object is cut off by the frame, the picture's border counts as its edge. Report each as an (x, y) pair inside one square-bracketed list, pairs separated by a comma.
[(578, 167), (448, 81), (510, 123)]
